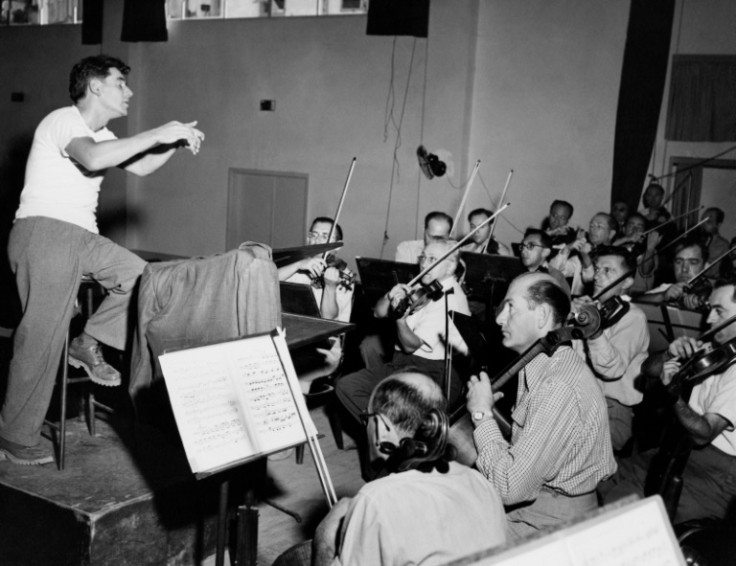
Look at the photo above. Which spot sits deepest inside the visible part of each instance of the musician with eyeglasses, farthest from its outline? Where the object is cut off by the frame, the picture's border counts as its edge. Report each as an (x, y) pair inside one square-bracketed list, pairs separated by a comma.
[(425, 508), (334, 299), (535, 250)]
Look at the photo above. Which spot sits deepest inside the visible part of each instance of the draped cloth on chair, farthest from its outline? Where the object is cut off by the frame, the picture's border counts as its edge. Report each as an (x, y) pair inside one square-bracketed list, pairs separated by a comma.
[(193, 302)]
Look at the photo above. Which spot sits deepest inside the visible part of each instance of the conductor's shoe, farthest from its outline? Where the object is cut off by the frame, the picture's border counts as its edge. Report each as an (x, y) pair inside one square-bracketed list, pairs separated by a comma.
[(88, 355), (24, 455)]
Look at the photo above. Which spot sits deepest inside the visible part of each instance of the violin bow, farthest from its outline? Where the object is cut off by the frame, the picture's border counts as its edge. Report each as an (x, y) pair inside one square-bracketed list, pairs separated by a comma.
[(710, 266), (456, 246), (503, 198), (658, 226), (464, 198), (340, 203), (716, 329)]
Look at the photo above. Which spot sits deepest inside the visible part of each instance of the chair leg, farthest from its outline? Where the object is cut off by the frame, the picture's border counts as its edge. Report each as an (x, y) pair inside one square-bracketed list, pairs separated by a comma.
[(333, 415), (91, 412), (300, 454), (62, 412)]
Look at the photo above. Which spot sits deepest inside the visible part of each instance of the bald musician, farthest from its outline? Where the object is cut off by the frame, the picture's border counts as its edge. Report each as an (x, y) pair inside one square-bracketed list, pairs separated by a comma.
[(437, 226), (420, 332), (560, 445)]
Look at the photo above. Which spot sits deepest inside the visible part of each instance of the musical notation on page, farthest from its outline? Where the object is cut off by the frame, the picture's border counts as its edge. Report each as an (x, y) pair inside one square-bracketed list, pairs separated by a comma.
[(235, 400)]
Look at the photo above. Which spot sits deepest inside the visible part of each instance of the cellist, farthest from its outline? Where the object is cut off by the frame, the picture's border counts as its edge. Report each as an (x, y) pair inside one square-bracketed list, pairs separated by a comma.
[(708, 418), (560, 445)]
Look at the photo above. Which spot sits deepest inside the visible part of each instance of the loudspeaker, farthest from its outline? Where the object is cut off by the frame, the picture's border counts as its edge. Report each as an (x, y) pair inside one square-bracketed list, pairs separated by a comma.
[(398, 17), (144, 20), (92, 22)]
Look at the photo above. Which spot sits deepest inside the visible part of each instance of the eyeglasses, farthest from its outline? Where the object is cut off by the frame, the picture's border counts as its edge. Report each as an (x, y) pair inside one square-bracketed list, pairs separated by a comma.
[(365, 416), (319, 235), (529, 246)]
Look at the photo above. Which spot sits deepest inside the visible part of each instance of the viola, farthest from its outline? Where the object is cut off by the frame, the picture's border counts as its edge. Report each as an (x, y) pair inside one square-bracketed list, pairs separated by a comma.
[(461, 429), (347, 277), (419, 297)]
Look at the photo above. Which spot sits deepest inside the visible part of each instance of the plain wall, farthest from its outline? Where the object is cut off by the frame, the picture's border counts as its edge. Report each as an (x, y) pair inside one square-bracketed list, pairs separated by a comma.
[(530, 86)]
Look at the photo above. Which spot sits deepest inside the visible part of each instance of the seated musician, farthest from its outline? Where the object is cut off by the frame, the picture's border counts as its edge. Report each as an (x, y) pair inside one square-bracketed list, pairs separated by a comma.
[(691, 257), (620, 211), (535, 249), (574, 260), (716, 244), (557, 223), (708, 484), (437, 226), (644, 247), (560, 444), (420, 332), (428, 510), (334, 298), (482, 242), (616, 351), (652, 208)]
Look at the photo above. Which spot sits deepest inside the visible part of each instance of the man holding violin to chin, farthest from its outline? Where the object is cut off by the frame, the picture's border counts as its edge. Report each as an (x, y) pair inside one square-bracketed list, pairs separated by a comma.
[(420, 327), (708, 417), (616, 351)]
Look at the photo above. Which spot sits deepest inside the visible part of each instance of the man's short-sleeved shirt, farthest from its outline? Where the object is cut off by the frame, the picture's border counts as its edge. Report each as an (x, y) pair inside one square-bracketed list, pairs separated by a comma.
[(717, 394), (55, 185)]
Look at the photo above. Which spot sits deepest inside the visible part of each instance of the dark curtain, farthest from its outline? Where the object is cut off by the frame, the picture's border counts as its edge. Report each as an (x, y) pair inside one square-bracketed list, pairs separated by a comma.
[(398, 17), (702, 100), (640, 95), (91, 22), (144, 20)]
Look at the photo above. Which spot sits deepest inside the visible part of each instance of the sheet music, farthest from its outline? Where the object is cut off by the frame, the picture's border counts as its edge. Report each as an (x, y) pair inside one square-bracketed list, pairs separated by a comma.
[(635, 534), (232, 400)]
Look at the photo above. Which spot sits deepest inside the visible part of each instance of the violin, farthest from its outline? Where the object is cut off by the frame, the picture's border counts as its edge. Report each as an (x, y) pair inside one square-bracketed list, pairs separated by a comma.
[(347, 277), (699, 282), (417, 299)]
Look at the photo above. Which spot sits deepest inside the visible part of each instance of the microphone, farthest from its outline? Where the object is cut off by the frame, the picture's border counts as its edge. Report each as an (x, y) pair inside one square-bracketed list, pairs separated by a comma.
[(430, 164)]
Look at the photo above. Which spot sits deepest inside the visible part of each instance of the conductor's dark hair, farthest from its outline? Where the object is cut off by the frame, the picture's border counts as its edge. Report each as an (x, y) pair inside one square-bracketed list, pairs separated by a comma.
[(95, 67), (558, 202), (330, 221), (549, 293), (436, 215)]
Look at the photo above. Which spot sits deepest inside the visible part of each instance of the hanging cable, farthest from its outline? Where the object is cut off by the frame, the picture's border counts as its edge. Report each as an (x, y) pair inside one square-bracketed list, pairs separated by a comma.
[(391, 120)]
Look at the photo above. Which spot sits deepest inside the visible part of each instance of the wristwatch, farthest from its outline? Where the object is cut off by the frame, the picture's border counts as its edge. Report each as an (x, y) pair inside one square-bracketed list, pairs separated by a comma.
[(478, 416)]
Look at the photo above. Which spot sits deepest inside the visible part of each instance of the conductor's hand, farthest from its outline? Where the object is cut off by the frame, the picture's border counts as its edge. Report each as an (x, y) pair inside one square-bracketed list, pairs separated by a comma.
[(684, 347), (480, 396), (177, 131), (314, 266)]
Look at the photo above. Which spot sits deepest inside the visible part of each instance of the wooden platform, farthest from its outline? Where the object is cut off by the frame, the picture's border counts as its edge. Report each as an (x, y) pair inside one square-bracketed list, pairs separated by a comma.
[(127, 497)]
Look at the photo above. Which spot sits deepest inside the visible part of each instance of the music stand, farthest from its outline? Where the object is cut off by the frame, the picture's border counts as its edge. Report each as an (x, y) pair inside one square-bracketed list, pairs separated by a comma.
[(287, 256), (484, 355), (378, 276), (488, 276), (298, 298)]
